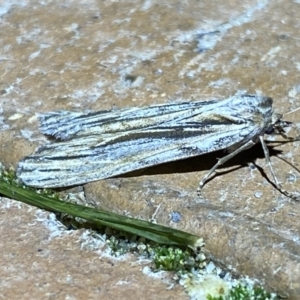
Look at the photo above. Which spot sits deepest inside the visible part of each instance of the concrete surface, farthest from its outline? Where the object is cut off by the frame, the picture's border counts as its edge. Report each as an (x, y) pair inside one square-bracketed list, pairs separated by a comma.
[(94, 55)]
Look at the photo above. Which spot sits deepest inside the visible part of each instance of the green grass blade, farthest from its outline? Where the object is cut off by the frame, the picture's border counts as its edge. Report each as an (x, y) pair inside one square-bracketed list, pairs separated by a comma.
[(148, 230)]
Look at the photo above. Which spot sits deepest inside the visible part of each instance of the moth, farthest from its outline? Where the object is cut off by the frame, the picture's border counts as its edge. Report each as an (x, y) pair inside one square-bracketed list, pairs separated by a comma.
[(98, 145)]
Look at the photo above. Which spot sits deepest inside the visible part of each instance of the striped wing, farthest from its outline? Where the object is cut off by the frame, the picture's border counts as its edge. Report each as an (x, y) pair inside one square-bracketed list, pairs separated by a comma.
[(105, 144)]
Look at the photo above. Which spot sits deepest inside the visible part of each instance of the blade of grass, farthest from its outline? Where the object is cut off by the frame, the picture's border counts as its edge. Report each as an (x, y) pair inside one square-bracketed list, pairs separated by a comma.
[(148, 230)]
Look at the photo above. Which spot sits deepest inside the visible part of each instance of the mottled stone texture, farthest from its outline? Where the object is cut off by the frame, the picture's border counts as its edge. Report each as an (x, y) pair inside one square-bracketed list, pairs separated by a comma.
[(93, 55)]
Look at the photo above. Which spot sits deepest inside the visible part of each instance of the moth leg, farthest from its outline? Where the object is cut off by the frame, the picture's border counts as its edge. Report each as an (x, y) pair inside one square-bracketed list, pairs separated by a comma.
[(276, 182), (221, 161)]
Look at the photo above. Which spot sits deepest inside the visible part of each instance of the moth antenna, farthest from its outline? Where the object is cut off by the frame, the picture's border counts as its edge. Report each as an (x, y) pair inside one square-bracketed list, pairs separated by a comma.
[(290, 112)]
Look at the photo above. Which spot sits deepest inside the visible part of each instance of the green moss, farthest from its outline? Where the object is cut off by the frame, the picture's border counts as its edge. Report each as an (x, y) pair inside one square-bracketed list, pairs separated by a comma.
[(244, 292), (176, 259)]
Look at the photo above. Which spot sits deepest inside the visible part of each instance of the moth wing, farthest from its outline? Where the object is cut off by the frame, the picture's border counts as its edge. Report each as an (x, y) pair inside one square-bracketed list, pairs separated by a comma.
[(86, 158), (104, 144), (64, 125)]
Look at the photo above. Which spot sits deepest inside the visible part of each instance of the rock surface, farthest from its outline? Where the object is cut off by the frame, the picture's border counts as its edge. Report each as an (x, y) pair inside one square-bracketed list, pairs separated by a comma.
[(95, 55)]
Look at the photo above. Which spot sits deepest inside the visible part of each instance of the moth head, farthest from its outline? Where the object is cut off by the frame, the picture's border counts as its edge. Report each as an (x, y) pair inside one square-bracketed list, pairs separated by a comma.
[(278, 125)]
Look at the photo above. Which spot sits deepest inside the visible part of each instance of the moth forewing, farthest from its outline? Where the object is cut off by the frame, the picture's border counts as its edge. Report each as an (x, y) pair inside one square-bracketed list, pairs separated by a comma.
[(98, 145)]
